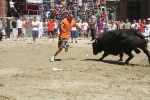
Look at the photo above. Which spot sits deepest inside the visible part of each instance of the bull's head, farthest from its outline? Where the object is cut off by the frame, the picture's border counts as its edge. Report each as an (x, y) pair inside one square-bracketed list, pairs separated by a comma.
[(96, 47)]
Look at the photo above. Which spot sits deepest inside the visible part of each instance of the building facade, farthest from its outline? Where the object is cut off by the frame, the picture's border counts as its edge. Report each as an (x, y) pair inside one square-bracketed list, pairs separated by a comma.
[(134, 9), (3, 8)]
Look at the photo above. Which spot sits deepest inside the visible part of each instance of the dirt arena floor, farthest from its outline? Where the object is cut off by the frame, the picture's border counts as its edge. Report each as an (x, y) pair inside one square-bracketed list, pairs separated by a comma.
[(27, 74)]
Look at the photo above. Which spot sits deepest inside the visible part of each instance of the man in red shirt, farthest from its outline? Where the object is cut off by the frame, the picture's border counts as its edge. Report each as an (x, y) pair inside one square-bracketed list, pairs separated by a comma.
[(51, 26)]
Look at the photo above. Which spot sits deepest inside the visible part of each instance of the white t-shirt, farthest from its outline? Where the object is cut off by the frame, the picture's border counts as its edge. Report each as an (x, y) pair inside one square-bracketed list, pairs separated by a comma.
[(19, 23), (40, 25), (35, 23), (114, 27), (73, 29), (147, 29), (85, 25), (79, 24), (80, 2), (11, 4), (55, 25)]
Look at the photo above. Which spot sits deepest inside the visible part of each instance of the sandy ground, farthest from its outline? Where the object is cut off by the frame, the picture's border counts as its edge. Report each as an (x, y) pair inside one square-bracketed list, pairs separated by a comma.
[(27, 74)]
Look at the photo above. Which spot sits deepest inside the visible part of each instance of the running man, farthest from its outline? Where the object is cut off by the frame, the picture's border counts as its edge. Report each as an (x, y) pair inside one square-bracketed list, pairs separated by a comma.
[(66, 26)]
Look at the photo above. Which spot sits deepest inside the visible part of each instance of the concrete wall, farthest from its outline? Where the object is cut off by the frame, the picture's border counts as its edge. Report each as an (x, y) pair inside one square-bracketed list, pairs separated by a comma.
[(2, 8)]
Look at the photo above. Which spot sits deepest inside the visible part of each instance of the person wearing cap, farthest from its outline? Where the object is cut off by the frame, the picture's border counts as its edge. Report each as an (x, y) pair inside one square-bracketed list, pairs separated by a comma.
[(66, 26), (147, 28)]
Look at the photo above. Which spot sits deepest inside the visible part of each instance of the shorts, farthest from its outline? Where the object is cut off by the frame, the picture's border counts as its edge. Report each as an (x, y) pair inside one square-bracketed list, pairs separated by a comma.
[(73, 34), (55, 30), (35, 33), (51, 33), (19, 30), (62, 42), (24, 31), (12, 9)]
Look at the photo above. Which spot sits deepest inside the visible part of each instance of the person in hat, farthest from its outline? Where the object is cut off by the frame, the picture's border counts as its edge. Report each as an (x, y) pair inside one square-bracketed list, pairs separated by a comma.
[(147, 28), (66, 26)]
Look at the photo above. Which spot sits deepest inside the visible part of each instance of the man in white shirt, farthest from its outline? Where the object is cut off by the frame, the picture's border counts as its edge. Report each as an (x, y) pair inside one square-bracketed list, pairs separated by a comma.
[(19, 27), (147, 28), (35, 31), (85, 26), (12, 7), (40, 28)]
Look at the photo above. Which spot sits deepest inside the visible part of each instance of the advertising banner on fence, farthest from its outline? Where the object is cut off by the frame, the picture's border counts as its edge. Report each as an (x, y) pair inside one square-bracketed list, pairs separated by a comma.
[(34, 1)]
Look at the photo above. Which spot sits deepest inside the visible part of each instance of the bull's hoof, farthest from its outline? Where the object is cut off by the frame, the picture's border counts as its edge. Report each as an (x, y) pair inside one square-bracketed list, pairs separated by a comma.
[(126, 63), (100, 59), (120, 60)]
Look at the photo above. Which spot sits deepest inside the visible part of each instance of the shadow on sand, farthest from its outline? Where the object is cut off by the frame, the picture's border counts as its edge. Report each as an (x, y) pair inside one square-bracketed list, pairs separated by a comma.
[(112, 62)]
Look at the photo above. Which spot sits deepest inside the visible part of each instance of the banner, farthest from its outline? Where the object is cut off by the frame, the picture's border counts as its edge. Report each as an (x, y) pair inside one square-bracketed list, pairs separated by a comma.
[(34, 1)]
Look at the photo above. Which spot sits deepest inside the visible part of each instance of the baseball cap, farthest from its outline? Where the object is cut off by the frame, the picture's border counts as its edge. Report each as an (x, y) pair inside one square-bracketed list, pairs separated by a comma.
[(148, 18)]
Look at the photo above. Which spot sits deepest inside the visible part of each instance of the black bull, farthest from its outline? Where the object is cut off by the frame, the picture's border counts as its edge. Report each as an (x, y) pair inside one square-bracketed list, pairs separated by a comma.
[(120, 41)]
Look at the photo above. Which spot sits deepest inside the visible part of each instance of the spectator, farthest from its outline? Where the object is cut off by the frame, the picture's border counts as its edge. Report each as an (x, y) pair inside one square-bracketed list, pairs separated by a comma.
[(85, 27), (98, 11), (73, 34), (52, 15), (47, 9), (103, 2), (98, 3), (51, 26), (24, 26), (12, 7), (14, 24), (106, 27), (40, 28), (35, 32), (114, 26), (99, 27), (80, 4), (56, 27), (134, 25), (142, 25), (4, 25), (1, 26), (147, 28), (92, 23), (111, 12), (104, 15), (127, 24), (11, 27)]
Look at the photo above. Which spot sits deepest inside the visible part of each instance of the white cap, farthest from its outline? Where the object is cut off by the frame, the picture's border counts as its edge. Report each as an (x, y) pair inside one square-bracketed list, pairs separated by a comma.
[(148, 18)]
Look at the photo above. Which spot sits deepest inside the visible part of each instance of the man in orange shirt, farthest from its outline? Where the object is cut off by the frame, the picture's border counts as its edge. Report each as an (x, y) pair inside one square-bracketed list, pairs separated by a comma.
[(66, 26)]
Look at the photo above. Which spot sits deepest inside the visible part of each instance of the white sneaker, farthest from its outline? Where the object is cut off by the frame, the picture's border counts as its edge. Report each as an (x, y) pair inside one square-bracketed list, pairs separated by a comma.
[(52, 58), (34, 42)]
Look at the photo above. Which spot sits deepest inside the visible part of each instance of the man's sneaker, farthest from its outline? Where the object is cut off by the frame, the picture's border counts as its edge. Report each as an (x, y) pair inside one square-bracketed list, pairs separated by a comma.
[(66, 49), (52, 58)]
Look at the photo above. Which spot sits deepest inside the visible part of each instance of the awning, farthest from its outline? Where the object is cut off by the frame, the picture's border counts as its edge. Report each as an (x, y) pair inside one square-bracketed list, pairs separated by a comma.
[(34, 1)]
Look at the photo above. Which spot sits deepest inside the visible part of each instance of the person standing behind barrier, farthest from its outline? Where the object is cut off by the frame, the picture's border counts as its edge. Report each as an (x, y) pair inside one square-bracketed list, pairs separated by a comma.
[(147, 28), (0, 30), (93, 25), (51, 26), (24, 26), (127, 24), (4, 25), (35, 32), (40, 28), (19, 27), (15, 31), (11, 27)]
